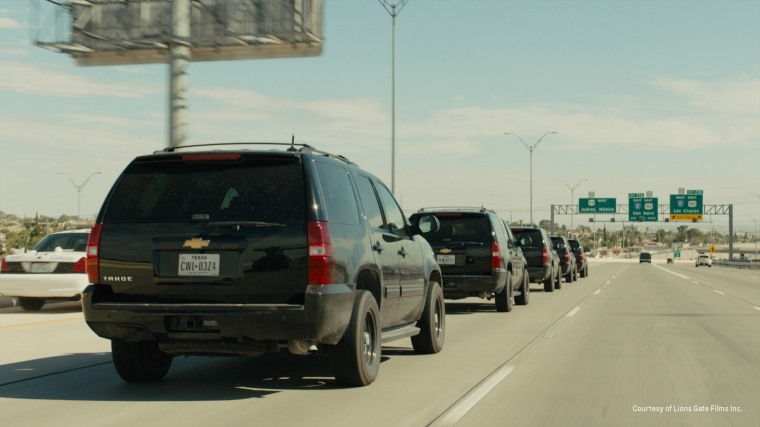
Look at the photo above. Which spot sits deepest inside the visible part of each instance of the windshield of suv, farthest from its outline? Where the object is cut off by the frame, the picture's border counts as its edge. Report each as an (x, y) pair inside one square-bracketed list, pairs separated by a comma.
[(266, 190)]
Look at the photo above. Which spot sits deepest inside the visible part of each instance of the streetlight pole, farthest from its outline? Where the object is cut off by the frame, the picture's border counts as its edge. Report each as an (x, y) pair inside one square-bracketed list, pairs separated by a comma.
[(530, 150), (393, 9), (79, 188), (572, 197)]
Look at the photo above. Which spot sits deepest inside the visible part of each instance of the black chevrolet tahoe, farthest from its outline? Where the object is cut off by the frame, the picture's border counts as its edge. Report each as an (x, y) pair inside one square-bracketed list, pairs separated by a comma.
[(478, 256), (567, 262), (543, 261), (237, 250)]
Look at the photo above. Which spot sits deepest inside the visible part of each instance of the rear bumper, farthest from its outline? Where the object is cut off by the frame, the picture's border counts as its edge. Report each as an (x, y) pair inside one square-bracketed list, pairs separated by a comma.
[(464, 286), (539, 274), (322, 319)]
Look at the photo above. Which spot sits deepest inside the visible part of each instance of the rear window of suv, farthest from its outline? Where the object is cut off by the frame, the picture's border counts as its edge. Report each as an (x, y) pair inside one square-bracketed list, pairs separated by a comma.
[(460, 228), (534, 235), (268, 190)]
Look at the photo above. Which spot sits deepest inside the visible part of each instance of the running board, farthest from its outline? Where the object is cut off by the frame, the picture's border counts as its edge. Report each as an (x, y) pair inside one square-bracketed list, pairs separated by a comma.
[(398, 332)]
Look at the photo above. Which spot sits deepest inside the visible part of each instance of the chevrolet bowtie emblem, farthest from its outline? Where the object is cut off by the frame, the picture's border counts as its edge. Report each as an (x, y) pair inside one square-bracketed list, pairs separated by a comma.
[(196, 243), (445, 251)]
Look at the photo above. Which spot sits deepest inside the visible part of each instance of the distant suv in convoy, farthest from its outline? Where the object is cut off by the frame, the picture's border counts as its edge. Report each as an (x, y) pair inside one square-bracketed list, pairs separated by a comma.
[(543, 262), (645, 257), (242, 251), (580, 256), (566, 258), (478, 256)]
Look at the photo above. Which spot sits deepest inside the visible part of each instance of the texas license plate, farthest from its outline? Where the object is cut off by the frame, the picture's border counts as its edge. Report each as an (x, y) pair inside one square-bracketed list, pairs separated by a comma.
[(198, 265), (446, 259)]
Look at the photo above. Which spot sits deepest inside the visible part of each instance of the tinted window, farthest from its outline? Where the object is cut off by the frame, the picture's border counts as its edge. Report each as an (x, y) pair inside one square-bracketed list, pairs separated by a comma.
[(534, 235), (270, 190), (68, 242), (338, 193), (393, 214), (369, 202), (459, 228)]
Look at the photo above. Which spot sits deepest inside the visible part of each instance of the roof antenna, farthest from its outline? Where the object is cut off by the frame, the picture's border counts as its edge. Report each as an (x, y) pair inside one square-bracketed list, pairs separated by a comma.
[(292, 143)]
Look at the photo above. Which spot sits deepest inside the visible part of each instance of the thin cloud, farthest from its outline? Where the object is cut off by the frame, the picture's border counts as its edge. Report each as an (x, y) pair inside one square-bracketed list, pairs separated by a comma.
[(23, 78)]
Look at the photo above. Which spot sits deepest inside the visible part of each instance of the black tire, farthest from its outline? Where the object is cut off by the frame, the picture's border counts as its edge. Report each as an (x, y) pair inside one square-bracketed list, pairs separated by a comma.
[(432, 324), (549, 283), (558, 283), (524, 297), (140, 362), (31, 304), (569, 276), (503, 299), (356, 358), (584, 272)]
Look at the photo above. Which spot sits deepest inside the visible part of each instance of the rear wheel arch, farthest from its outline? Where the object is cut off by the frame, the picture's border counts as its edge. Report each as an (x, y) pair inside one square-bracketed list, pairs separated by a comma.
[(369, 280)]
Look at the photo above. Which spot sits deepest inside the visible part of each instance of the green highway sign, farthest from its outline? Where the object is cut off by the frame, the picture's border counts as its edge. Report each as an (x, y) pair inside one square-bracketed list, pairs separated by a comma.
[(597, 205), (686, 207), (642, 208)]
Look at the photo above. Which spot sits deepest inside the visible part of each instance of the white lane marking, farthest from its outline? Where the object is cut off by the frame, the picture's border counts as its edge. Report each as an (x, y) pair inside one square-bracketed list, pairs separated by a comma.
[(596, 292), (456, 412), (572, 312), (756, 307), (695, 282), (607, 282), (671, 272), (718, 292)]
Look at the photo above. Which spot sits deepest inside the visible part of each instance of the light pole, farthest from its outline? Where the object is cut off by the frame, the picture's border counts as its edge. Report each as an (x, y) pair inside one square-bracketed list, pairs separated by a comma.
[(530, 150), (393, 9), (79, 188), (572, 192), (755, 221)]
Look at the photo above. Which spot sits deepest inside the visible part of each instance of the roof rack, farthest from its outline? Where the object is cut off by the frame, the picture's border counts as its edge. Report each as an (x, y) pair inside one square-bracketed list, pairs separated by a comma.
[(454, 208), (292, 148)]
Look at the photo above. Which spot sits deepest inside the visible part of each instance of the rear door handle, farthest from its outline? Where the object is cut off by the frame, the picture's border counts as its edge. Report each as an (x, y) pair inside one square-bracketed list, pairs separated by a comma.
[(377, 247), (402, 252)]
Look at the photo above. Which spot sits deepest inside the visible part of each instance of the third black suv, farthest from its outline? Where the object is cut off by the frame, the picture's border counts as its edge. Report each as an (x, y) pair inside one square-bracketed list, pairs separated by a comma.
[(543, 262), (478, 256), (581, 256), (566, 258), (240, 251)]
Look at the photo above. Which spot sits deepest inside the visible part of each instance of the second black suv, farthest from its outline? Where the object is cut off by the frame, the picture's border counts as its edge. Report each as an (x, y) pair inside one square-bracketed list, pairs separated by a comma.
[(478, 256), (580, 253), (566, 258), (240, 251), (543, 262)]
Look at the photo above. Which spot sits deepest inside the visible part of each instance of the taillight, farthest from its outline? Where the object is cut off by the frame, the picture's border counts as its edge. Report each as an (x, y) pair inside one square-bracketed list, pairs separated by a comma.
[(321, 261), (495, 256), (5, 268), (213, 157), (580, 256), (92, 264), (79, 267), (545, 256), (567, 256)]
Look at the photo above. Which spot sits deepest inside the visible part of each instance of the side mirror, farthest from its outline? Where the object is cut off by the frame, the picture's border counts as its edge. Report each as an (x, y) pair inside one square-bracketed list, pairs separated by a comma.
[(587, 250), (425, 224)]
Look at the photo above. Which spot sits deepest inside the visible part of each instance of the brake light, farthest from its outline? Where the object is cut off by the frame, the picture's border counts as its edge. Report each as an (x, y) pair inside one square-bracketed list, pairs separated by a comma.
[(495, 256), (545, 256), (92, 263), (5, 267), (321, 261), (79, 267), (567, 256), (580, 256)]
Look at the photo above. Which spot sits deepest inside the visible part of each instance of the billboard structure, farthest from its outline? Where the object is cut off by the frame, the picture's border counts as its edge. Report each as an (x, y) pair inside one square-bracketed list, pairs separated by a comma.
[(177, 32), (116, 32)]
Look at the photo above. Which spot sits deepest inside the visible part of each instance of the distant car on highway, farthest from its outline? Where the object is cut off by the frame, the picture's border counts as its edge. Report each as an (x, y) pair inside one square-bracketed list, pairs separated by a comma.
[(703, 259), (53, 270), (645, 257)]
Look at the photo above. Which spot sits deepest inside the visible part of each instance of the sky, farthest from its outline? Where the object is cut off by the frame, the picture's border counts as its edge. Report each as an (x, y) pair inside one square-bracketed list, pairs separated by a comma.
[(643, 96)]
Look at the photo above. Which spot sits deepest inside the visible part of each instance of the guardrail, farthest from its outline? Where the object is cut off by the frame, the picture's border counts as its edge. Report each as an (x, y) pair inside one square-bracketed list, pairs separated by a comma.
[(738, 264)]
